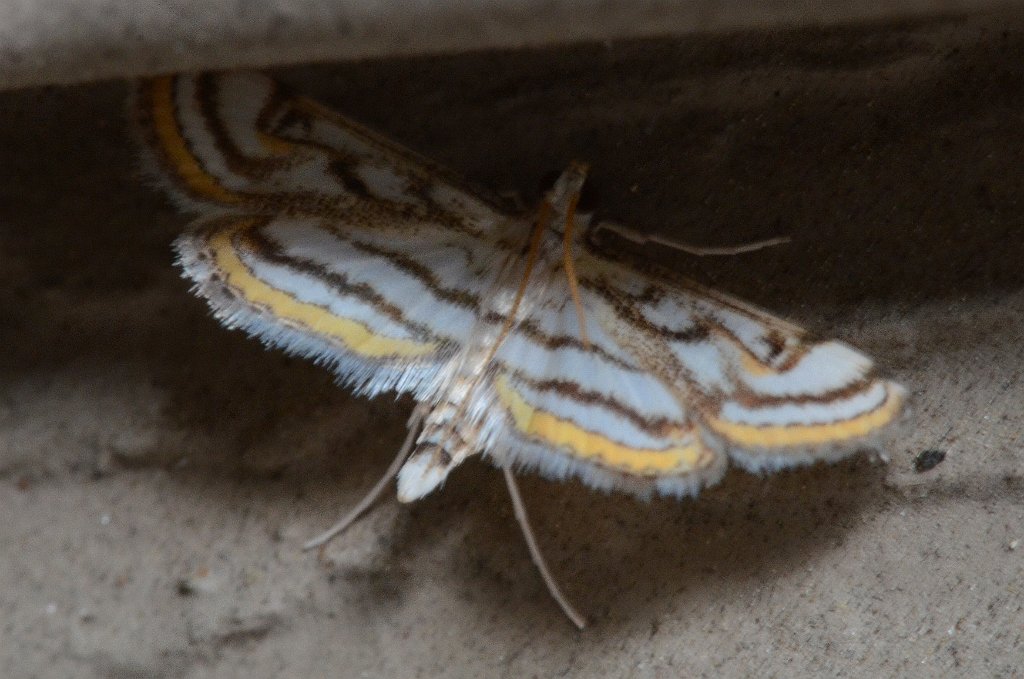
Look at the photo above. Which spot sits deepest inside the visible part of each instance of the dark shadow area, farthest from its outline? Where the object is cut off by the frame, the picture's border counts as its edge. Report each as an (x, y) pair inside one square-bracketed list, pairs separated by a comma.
[(724, 140)]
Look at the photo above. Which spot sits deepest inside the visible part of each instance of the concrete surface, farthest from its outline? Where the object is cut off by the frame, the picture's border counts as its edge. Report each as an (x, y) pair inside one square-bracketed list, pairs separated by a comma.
[(158, 474), (73, 41)]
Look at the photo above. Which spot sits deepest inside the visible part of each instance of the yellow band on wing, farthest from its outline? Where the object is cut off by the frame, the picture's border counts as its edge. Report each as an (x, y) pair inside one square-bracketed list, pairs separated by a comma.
[(753, 366), (583, 444), (354, 335), (275, 145), (174, 146), (800, 435)]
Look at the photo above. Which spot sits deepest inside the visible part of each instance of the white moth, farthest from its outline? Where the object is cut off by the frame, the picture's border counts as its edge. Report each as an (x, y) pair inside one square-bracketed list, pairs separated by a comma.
[(521, 338)]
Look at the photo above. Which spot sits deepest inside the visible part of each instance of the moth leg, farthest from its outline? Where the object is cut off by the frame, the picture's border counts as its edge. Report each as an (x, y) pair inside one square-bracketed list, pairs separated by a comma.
[(697, 250), (403, 453), (538, 559)]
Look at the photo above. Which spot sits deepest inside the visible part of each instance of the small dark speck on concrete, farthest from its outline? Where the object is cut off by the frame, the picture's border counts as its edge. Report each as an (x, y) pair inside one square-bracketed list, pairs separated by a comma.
[(928, 459)]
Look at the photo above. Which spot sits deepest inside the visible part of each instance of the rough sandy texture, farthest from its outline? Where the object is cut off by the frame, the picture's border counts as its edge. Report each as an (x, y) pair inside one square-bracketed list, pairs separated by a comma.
[(158, 474)]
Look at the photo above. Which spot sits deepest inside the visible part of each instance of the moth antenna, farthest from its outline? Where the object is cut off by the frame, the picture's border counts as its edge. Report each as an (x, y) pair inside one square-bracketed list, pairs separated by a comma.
[(538, 559), (531, 261), (570, 268), (696, 250), (403, 453)]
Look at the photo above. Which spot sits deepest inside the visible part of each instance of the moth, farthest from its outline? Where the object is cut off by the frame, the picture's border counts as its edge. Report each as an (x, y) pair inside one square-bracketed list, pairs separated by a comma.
[(522, 339)]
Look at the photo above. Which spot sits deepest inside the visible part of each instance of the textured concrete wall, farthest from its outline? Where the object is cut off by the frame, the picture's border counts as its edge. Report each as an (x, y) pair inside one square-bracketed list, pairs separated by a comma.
[(67, 41)]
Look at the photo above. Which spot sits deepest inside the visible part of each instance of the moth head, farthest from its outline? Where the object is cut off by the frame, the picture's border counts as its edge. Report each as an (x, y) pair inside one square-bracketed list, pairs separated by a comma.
[(567, 186), (424, 471), (568, 199)]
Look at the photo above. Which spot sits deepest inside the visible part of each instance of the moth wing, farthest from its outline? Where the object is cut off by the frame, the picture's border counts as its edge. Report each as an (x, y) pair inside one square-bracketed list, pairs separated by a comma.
[(241, 140), (321, 237), (761, 389), (384, 313), (675, 379), (589, 410)]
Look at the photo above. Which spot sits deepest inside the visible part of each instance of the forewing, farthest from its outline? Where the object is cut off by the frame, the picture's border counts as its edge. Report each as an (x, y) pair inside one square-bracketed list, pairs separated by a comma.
[(318, 236), (760, 389), (240, 140)]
